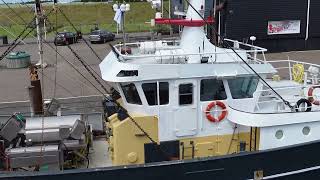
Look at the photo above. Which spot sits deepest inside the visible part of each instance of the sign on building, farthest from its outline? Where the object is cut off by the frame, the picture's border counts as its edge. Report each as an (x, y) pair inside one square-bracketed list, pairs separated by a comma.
[(284, 27)]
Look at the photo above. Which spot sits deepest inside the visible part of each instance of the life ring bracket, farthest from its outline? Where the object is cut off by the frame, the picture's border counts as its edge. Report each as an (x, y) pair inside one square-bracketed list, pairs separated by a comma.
[(211, 105)]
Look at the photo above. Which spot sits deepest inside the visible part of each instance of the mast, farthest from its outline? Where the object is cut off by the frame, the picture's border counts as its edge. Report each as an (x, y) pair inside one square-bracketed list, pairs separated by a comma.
[(35, 90), (39, 24)]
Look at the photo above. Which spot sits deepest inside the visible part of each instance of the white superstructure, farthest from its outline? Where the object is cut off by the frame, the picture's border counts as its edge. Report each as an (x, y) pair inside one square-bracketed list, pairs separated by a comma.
[(177, 81)]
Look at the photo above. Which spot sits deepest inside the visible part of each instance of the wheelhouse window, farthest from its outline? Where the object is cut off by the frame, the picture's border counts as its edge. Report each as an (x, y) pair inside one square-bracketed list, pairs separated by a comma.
[(131, 94), (243, 87), (185, 94), (150, 91), (212, 89)]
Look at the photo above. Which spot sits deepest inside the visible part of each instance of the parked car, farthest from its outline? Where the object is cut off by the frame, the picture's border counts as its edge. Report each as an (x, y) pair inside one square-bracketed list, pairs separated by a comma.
[(65, 38), (101, 36)]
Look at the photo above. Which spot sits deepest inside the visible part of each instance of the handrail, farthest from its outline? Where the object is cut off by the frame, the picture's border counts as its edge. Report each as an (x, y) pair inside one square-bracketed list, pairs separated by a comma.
[(254, 49), (248, 45), (181, 55), (290, 64), (294, 61)]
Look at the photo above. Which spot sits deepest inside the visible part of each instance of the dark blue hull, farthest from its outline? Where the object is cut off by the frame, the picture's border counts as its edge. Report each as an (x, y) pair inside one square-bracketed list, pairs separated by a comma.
[(294, 162)]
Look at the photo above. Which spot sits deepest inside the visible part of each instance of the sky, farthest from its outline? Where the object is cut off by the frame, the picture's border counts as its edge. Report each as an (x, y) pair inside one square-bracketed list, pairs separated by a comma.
[(19, 1)]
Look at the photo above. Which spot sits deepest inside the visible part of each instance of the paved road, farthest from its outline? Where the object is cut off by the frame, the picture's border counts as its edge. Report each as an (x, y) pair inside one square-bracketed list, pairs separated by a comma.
[(69, 82)]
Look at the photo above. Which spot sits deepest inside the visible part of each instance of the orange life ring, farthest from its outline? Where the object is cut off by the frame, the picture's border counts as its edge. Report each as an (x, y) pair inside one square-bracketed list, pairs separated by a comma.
[(221, 116), (310, 95)]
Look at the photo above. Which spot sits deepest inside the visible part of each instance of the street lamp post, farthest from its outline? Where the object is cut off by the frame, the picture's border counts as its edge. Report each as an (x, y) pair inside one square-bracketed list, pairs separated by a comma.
[(124, 8), (115, 8)]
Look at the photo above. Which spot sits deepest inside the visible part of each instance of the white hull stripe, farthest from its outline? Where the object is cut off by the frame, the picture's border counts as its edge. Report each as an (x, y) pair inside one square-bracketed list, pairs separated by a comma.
[(291, 173)]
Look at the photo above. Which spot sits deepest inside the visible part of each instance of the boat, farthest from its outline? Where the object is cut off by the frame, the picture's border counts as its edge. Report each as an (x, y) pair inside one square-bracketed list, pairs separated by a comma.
[(184, 109)]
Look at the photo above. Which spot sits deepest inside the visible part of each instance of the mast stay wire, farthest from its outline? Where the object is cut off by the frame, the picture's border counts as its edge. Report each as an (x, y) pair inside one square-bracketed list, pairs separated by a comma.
[(46, 43), (64, 15), (114, 101), (84, 63), (72, 65), (230, 47), (24, 3), (32, 10), (87, 68), (14, 12), (56, 8), (11, 33), (14, 43), (118, 104), (106, 97), (56, 53)]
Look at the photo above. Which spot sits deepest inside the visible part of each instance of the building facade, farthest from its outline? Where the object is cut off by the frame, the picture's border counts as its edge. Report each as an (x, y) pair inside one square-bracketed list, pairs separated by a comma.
[(278, 25), (283, 25)]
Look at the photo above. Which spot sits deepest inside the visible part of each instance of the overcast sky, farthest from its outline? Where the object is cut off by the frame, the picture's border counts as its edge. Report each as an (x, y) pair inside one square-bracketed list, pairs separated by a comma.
[(19, 1)]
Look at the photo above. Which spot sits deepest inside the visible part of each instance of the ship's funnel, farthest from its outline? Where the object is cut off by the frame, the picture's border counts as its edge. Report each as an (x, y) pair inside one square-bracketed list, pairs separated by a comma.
[(193, 39)]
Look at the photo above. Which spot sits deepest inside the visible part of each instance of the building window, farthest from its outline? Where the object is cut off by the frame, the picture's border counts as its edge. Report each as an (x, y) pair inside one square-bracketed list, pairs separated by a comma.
[(243, 87), (212, 89), (185, 94), (131, 94), (150, 91)]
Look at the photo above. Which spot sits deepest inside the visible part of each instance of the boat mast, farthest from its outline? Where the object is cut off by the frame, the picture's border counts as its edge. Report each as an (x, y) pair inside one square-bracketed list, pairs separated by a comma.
[(39, 24)]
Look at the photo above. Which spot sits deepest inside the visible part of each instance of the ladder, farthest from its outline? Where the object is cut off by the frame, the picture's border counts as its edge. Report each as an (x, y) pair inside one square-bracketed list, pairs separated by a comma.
[(253, 138)]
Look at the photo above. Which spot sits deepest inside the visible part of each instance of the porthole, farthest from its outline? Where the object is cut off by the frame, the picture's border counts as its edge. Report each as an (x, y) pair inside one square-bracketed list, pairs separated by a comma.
[(306, 130), (279, 134)]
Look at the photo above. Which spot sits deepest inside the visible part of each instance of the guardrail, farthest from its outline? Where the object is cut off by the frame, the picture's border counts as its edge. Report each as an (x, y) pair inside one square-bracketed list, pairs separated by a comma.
[(121, 49), (287, 68)]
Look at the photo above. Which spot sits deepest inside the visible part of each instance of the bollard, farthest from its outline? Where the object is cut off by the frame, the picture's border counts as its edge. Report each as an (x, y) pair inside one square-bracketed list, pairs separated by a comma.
[(5, 39)]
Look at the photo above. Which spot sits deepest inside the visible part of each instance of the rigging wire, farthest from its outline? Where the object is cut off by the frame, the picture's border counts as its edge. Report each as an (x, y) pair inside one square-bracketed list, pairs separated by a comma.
[(87, 68), (12, 47), (14, 12), (55, 83), (14, 43), (12, 34), (56, 54), (230, 47), (94, 52), (118, 104), (47, 43), (24, 3), (78, 71), (68, 91), (107, 98), (122, 108), (92, 74)]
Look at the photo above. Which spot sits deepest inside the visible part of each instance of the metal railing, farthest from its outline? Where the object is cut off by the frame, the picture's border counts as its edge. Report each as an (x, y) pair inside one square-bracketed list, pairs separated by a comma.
[(251, 51), (267, 97), (285, 69)]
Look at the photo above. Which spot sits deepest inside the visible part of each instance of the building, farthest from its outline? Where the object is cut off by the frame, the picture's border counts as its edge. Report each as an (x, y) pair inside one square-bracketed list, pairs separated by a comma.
[(278, 25)]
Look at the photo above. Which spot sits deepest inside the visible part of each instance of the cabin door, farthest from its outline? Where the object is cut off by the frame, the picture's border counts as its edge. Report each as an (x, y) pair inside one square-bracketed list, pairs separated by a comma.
[(185, 110)]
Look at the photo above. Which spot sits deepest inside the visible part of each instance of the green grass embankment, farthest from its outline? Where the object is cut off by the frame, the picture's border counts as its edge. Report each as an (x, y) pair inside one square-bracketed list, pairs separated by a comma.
[(83, 16)]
